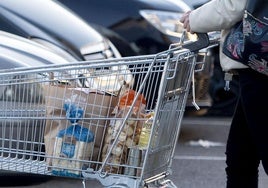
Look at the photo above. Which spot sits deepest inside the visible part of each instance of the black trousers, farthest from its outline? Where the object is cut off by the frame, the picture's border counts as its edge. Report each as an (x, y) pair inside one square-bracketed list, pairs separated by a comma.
[(247, 144)]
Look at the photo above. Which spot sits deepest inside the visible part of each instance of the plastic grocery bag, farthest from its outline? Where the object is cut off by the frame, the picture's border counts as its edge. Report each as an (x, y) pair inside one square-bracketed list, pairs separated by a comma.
[(129, 136), (72, 145)]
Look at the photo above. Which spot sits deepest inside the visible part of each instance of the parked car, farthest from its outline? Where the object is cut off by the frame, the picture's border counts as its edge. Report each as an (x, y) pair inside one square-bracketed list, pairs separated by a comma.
[(52, 25), (149, 26)]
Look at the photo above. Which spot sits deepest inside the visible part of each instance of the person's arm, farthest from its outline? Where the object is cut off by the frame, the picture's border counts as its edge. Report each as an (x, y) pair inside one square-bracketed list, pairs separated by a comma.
[(214, 15)]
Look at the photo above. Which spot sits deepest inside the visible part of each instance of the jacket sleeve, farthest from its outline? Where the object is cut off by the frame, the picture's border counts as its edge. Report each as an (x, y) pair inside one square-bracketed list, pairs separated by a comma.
[(217, 15)]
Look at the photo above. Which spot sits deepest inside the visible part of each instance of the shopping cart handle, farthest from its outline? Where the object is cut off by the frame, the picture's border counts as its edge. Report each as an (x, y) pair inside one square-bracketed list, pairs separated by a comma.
[(202, 42)]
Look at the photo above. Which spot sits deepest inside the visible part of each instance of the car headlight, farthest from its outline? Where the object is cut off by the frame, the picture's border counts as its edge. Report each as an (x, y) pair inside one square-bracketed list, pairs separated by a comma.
[(166, 22), (100, 50)]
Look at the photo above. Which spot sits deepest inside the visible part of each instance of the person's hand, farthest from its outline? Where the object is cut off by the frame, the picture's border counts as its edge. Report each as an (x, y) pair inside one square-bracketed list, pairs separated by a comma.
[(186, 22)]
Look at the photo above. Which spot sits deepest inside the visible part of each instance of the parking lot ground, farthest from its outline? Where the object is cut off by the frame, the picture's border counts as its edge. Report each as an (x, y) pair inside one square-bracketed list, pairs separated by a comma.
[(199, 159)]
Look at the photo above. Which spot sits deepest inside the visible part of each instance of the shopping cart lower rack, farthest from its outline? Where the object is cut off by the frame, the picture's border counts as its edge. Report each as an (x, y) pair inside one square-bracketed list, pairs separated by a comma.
[(116, 121)]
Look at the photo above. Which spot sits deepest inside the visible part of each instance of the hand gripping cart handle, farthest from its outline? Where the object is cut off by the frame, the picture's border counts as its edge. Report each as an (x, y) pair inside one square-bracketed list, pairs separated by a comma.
[(202, 42)]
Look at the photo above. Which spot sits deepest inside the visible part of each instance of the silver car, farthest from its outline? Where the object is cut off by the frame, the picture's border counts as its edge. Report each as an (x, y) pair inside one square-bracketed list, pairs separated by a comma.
[(22, 133)]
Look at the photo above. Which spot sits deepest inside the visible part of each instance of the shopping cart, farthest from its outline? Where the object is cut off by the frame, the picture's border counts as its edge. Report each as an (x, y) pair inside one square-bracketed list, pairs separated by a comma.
[(116, 121)]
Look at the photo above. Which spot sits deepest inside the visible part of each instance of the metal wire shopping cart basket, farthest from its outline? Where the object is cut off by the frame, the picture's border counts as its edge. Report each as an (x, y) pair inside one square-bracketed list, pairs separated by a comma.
[(86, 119)]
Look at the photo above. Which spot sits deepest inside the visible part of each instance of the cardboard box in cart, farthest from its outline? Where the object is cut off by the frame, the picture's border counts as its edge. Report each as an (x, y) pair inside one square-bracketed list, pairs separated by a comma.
[(96, 106)]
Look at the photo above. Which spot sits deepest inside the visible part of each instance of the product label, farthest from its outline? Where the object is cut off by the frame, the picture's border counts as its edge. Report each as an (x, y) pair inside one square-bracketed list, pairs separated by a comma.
[(68, 147)]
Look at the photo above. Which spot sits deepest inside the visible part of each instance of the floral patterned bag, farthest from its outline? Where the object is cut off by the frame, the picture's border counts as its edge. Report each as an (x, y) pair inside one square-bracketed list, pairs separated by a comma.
[(247, 41)]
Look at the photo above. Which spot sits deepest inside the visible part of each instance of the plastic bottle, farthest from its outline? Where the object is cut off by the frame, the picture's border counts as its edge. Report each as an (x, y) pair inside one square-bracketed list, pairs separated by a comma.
[(146, 132)]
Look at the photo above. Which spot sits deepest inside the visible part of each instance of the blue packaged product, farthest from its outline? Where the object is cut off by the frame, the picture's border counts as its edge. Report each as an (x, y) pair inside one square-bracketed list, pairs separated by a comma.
[(72, 145)]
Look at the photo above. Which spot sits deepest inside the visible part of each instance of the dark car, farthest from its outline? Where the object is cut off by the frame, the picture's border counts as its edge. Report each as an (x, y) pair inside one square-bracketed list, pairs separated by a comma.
[(149, 26), (51, 24)]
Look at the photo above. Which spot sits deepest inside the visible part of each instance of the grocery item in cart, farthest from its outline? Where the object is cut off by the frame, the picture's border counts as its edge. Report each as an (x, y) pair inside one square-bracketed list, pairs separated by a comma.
[(73, 144), (97, 107), (109, 80), (127, 99), (146, 130), (126, 128), (133, 160)]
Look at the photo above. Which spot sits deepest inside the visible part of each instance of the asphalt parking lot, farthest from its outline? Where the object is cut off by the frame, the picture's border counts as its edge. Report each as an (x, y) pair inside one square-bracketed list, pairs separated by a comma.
[(199, 159)]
